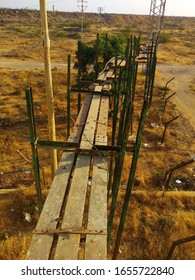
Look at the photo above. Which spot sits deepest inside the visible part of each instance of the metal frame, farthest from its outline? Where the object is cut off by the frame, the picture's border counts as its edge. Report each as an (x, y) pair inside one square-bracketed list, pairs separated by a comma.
[(122, 98)]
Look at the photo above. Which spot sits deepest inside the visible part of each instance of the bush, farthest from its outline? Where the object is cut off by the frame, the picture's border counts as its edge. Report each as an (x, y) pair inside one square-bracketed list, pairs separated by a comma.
[(115, 43), (88, 55), (106, 49)]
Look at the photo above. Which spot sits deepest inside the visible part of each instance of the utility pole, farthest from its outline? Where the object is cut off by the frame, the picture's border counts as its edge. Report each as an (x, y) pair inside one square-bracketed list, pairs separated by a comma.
[(100, 10), (82, 5), (48, 81)]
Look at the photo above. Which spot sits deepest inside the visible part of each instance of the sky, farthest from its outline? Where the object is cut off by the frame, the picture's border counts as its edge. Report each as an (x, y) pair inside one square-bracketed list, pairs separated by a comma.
[(173, 7)]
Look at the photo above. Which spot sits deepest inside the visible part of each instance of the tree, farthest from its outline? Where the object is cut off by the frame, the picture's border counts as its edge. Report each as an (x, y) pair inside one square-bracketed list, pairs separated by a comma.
[(105, 46)]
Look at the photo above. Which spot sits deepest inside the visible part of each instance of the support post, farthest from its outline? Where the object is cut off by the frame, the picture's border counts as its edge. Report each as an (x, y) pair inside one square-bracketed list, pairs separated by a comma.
[(79, 74), (179, 242), (48, 79), (33, 139), (124, 128), (165, 88), (131, 178), (97, 56), (165, 103), (115, 103), (166, 124), (169, 173), (106, 49), (68, 97)]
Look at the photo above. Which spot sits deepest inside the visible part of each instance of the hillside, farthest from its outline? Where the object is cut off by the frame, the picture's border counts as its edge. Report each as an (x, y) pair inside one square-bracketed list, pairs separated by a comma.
[(23, 26)]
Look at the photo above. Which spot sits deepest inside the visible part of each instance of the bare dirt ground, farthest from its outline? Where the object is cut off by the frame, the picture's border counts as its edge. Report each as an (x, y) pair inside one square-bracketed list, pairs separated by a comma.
[(184, 98), (28, 64), (183, 76)]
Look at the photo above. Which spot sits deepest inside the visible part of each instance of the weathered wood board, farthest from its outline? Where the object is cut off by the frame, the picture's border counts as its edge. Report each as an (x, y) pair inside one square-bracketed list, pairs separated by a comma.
[(91, 122), (102, 123), (96, 245), (80, 122), (41, 244), (68, 244)]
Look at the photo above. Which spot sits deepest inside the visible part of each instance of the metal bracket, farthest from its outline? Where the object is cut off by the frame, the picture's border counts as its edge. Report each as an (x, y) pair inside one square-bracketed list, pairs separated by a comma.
[(70, 231)]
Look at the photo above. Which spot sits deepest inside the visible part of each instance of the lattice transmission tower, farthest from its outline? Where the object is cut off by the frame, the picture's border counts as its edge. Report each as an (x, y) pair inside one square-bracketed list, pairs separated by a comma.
[(155, 20)]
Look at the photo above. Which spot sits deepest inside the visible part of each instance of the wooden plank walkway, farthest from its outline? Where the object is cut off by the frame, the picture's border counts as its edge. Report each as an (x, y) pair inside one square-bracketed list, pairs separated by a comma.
[(96, 245), (80, 122), (77, 199), (69, 244), (73, 222), (88, 136), (41, 245), (102, 122)]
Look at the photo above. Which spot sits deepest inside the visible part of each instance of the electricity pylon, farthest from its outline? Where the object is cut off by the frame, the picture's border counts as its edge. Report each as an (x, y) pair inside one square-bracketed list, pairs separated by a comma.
[(155, 20), (82, 5)]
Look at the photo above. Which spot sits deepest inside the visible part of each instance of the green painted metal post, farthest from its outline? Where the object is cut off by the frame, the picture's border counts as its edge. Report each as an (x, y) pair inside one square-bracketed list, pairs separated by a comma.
[(114, 125), (97, 56), (110, 179), (127, 52), (106, 49), (134, 79), (150, 73), (68, 97), (126, 98), (153, 69), (118, 170), (79, 74), (33, 139), (123, 131), (115, 104), (115, 190), (131, 178)]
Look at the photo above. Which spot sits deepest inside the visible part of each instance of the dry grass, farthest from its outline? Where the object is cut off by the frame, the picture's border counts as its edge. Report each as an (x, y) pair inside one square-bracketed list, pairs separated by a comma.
[(153, 221)]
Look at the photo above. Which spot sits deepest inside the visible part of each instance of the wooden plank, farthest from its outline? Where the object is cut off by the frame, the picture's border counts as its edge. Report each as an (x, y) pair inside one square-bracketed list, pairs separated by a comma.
[(98, 88), (41, 244), (102, 76), (68, 244), (121, 62), (80, 122), (101, 134), (105, 75), (89, 131), (107, 87), (96, 245), (110, 73)]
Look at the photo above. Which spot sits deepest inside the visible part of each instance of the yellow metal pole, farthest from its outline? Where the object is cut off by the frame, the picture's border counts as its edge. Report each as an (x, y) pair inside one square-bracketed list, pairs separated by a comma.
[(48, 80)]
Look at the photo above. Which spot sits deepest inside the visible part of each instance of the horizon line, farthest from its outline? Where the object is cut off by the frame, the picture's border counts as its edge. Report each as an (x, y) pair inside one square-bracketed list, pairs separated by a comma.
[(61, 11)]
